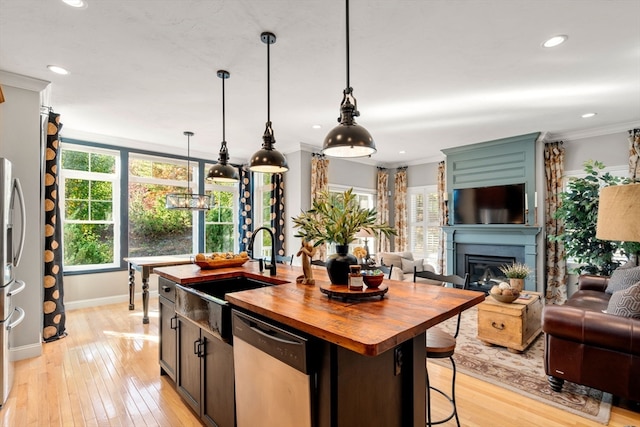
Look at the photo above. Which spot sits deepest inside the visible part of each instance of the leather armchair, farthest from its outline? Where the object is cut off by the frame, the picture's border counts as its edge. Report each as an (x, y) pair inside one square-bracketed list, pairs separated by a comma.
[(586, 346)]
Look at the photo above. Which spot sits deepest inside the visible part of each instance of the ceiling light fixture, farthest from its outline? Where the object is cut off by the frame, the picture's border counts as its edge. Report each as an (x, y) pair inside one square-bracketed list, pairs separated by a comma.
[(268, 159), (58, 70), (348, 139), (188, 200), (555, 41), (78, 4), (588, 115), (223, 171)]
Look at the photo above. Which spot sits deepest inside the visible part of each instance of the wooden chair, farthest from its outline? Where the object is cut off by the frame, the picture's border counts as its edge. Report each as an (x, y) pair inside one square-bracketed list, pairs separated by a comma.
[(386, 270), (441, 344), (281, 259)]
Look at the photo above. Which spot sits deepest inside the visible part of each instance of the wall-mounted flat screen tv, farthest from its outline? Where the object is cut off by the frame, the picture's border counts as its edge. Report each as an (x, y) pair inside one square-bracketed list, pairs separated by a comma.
[(499, 204)]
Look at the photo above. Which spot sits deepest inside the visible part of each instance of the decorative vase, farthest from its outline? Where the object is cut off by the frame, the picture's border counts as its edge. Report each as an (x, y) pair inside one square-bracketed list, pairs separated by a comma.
[(338, 265), (517, 284)]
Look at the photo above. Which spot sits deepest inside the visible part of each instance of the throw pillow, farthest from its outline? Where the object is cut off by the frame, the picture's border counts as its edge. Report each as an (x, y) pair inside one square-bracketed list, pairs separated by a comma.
[(408, 264), (626, 303), (622, 278)]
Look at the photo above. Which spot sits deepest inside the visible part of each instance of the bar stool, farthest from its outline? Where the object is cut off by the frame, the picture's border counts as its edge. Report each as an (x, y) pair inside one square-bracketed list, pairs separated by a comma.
[(441, 345)]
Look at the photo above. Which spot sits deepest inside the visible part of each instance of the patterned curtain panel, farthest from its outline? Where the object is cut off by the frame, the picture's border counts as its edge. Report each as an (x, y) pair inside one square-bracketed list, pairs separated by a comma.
[(245, 218), (442, 215), (54, 313), (400, 202), (382, 208), (277, 212), (634, 155), (556, 264), (319, 183)]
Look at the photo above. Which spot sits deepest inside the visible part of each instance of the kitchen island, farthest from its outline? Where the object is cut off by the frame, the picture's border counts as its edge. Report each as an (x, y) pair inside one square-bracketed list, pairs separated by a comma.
[(369, 357)]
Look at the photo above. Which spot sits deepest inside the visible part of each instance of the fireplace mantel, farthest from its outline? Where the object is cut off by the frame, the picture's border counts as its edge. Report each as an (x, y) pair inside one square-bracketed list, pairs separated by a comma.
[(493, 234)]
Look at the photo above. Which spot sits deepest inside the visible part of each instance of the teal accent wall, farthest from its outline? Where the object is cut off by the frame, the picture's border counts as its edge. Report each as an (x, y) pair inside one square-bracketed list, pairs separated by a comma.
[(500, 162)]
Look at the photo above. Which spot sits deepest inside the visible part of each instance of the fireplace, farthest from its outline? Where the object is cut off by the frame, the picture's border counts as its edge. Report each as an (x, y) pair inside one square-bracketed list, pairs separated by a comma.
[(484, 271), (481, 250)]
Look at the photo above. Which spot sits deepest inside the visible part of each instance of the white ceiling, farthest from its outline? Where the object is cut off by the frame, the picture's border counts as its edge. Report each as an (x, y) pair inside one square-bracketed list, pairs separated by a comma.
[(427, 74)]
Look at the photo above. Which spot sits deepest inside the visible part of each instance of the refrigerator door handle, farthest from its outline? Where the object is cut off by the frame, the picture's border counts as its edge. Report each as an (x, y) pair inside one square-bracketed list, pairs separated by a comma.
[(18, 320), (20, 288), (17, 191)]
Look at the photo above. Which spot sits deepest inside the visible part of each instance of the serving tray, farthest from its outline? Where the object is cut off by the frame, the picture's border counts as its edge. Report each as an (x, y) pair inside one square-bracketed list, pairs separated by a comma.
[(222, 263), (343, 291)]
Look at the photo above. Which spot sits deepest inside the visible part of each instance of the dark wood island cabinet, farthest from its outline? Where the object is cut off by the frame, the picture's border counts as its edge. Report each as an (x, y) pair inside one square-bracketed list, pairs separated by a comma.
[(368, 366)]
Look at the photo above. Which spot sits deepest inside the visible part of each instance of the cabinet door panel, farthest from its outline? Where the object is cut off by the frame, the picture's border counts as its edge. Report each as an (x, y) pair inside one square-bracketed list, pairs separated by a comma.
[(188, 378), (218, 400), (168, 341)]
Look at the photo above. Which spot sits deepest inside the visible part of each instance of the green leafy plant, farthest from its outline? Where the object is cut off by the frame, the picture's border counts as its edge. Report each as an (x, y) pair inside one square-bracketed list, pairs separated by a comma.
[(516, 270), (336, 218), (579, 213)]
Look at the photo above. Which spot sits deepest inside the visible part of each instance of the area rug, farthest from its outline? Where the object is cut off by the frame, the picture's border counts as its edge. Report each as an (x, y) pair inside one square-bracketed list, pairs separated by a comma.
[(521, 373)]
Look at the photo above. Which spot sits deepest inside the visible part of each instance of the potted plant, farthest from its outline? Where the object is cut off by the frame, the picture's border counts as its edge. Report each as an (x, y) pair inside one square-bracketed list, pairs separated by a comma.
[(578, 212), (336, 218), (516, 273)]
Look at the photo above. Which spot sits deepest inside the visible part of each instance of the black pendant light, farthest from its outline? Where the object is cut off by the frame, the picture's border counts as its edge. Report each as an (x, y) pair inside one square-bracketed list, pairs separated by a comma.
[(348, 139), (268, 159), (223, 171), (188, 200)]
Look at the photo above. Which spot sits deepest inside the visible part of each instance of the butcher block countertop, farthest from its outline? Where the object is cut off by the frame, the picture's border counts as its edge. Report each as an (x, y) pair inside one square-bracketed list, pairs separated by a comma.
[(369, 326)]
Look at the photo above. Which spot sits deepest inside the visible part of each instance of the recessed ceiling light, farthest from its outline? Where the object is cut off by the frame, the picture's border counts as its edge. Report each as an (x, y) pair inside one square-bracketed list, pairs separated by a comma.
[(587, 115), (402, 152), (79, 4), (555, 41), (57, 70), (316, 127)]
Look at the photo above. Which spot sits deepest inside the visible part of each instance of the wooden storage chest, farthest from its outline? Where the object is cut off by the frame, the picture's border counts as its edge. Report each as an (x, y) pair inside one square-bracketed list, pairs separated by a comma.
[(513, 325)]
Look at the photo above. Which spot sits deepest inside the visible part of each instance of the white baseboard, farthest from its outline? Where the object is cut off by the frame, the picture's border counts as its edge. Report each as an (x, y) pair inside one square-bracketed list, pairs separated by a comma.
[(25, 352), (96, 302)]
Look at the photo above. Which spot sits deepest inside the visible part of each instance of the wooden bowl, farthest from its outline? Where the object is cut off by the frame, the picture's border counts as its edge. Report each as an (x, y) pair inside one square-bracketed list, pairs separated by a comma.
[(373, 281), (505, 298)]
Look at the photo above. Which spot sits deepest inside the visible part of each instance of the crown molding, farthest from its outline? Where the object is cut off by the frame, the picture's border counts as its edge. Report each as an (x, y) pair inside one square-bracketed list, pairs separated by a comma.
[(22, 82), (588, 133)]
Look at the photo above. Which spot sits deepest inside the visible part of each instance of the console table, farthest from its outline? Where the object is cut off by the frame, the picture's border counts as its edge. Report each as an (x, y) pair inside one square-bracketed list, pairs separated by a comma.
[(145, 266)]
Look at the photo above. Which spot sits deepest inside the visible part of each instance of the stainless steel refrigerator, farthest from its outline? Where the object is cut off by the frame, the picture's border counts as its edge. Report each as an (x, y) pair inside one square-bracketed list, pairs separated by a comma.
[(11, 245)]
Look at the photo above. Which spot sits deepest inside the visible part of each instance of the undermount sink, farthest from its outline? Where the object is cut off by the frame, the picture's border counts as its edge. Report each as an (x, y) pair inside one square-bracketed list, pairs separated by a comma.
[(204, 303)]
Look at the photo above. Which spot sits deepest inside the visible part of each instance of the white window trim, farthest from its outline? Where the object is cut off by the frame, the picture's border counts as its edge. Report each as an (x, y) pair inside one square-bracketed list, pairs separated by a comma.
[(212, 187), (114, 178), (424, 190)]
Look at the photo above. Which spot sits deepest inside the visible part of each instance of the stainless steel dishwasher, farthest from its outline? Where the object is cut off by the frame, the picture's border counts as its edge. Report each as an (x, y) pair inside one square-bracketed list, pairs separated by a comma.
[(273, 375)]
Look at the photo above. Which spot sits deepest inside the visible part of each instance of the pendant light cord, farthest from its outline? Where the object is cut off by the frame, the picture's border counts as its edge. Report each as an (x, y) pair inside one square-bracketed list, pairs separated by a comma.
[(188, 163), (347, 19), (268, 84), (223, 126)]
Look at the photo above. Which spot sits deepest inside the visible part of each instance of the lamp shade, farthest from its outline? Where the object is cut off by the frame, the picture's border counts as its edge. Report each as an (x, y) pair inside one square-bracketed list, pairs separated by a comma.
[(364, 234), (223, 173), (619, 213), (268, 161), (348, 140)]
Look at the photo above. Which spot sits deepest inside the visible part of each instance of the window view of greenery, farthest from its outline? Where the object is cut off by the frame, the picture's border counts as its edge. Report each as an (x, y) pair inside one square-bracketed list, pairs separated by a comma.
[(219, 220), (88, 185), (154, 229)]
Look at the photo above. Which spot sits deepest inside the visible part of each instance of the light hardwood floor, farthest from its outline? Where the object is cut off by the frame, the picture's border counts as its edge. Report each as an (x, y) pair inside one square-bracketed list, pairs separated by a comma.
[(106, 373)]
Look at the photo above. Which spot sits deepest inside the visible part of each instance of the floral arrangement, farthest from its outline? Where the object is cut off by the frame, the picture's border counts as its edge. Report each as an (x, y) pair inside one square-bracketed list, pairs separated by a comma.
[(516, 270), (360, 252)]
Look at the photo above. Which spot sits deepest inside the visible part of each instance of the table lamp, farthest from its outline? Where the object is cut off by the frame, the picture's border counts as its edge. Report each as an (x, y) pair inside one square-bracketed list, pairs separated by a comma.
[(619, 214), (365, 234)]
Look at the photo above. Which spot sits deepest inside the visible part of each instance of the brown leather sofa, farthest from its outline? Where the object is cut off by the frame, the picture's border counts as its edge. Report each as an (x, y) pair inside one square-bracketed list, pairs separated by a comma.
[(586, 346)]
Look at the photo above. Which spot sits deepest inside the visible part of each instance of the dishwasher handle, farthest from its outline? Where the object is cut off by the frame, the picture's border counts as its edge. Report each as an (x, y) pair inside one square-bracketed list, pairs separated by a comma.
[(284, 345)]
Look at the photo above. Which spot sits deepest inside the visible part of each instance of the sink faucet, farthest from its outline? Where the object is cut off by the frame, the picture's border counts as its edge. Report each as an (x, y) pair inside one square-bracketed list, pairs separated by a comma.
[(272, 266)]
